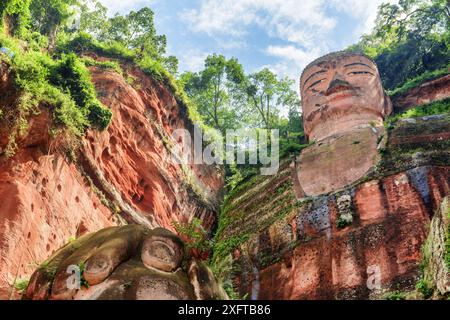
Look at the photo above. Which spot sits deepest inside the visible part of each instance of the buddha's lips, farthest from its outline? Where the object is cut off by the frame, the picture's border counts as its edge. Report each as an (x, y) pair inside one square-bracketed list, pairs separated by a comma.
[(340, 95)]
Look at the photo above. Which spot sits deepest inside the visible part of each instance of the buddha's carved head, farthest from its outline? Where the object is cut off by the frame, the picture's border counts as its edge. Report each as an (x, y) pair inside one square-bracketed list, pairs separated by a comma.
[(342, 91)]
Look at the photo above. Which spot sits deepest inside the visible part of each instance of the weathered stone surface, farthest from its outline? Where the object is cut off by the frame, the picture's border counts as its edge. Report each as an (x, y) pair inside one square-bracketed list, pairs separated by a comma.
[(132, 162), (430, 91), (162, 251), (302, 250), (381, 245), (436, 269), (338, 161), (340, 92), (205, 285), (124, 275), (344, 106), (38, 191), (122, 174)]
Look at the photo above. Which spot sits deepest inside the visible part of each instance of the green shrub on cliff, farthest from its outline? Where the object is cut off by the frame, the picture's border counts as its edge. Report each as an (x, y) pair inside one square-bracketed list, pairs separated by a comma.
[(21, 285), (417, 81), (424, 288), (104, 65), (395, 295), (63, 85), (343, 222), (429, 109), (195, 237), (71, 74), (14, 16), (83, 42)]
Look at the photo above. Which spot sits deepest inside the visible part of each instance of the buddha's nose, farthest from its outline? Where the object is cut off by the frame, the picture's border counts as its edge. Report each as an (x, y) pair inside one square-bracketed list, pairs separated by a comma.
[(338, 83)]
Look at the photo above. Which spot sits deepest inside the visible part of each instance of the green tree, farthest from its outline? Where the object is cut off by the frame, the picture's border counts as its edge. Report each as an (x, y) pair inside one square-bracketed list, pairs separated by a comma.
[(267, 95), (49, 16), (93, 18), (15, 16), (217, 90), (409, 38), (135, 30)]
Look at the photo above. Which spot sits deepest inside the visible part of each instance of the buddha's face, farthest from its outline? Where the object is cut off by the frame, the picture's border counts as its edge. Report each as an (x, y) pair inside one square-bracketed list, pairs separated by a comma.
[(342, 93)]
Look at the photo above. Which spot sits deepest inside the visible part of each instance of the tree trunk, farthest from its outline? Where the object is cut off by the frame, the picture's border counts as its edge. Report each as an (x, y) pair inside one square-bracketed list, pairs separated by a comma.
[(8, 25), (52, 38)]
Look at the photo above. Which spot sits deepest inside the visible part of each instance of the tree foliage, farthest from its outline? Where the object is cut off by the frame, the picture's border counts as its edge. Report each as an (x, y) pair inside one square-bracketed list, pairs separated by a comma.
[(409, 38), (215, 90), (71, 74), (195, 237), (50, 15), (135, 31), (227, 98), (267, 95), (15, 16)]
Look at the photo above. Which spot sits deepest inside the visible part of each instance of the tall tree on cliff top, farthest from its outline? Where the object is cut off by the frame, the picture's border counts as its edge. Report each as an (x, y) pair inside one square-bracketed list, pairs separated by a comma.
[(409, 38), (93, 18), (49, 16), (15, 16), (267, 95), (215, 90), (136, 31)]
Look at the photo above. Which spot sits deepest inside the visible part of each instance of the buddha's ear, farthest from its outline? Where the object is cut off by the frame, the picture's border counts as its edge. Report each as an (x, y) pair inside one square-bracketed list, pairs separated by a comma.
[(388, 108)]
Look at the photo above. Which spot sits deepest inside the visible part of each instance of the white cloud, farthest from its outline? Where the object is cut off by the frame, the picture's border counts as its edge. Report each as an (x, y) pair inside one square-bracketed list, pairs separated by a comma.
[(305, 26), (300, 22), (292, 60), (124, 6), (192, 60), (285, 19), (366, 11), (297, 56)]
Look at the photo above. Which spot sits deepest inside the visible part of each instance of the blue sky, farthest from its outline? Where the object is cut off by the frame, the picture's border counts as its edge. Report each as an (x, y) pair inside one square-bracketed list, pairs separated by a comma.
[(283, 35)]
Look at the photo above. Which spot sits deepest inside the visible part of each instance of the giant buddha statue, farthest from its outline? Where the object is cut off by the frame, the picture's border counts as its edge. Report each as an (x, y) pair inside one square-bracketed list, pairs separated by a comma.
[(344, 105)]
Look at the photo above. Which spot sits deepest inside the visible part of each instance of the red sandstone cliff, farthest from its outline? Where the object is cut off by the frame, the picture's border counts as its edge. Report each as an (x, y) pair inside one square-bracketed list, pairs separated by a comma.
[(427, 92), (360, 242), (335, 245), (123, 174)]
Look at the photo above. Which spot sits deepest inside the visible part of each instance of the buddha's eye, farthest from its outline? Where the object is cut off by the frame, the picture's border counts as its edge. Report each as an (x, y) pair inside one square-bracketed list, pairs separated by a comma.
[(315, 84), (360, 72)]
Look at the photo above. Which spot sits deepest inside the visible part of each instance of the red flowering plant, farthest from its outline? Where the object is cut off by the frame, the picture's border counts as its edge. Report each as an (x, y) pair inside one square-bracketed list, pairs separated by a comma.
[(195, 237)]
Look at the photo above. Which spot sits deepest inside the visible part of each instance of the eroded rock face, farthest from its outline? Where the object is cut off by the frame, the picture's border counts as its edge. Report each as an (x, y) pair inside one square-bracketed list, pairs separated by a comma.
[(39, 192), (436, 268), (344, 106), (305, 255), (124, 174), (430, 91), (132, 162), (356, 243), (162, 251), (123, 263)]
